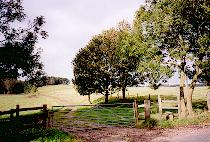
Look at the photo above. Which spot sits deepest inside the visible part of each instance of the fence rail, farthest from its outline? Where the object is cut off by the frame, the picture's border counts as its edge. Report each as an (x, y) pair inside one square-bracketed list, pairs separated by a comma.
[(162, 105), (17, 111), (116, 114)]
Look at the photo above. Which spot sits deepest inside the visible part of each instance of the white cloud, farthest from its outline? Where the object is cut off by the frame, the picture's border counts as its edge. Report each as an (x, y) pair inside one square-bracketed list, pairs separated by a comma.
[(72, 23)]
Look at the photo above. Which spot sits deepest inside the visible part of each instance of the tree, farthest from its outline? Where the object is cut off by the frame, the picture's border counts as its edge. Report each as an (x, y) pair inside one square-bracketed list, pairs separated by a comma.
[(152, 65), (9, 84), (19, 56), (94, 65), (181, 29), (127, 57)]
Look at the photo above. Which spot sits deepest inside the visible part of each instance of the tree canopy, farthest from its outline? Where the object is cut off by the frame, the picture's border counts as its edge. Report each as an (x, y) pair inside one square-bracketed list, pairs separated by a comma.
[(19, 55), (166, 36), (180, 30), (94, 65)]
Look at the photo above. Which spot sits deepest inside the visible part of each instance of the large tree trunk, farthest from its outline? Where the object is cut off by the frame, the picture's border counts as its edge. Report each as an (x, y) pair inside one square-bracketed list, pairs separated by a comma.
[(8, 92), (182, 101), (191, 90), (123, 93), (107, 97), (124, 84), (107, 91), (189, 102), (189, 99), (89, 99)]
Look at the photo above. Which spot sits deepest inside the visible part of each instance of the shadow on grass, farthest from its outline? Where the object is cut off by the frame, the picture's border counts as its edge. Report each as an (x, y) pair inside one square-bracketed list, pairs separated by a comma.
[(28, 128), (200, 104)]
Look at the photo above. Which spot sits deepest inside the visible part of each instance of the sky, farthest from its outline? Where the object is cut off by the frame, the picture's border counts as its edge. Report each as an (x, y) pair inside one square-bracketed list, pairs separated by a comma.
[(71, 24)]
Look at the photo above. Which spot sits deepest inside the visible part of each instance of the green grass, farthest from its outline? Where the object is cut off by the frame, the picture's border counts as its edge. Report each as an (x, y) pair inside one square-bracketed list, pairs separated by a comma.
[(199, 106), (50, 95), (29, 128), (39, 134), (198, 119), (118, 115), (67, 95)]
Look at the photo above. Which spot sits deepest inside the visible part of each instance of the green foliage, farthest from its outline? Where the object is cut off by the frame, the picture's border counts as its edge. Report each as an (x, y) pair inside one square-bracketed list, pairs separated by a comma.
[(149, 23), (180, 29), (18, 87), (94, 67), (30, 88), (150, 123), (51, 80), (19, 55), (177, 35), (196, 120), (107, 63), (128, 54)]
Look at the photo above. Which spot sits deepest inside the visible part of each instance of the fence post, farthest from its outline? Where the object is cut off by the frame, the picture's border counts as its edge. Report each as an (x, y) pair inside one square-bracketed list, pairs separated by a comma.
[(136, 113), (17, 111), (179, 106), (45, 115), (147, 109), (11, 114), (208, 101), (160, 105)]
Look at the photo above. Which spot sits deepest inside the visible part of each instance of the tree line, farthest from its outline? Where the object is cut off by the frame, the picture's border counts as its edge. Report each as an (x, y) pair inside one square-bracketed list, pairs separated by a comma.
[(14, 86), (19, 55), (166, 36)]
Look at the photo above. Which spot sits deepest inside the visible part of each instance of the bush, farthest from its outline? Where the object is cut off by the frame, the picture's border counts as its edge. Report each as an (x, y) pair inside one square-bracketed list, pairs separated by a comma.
[(18, 88), (149, 123), (30, 88)]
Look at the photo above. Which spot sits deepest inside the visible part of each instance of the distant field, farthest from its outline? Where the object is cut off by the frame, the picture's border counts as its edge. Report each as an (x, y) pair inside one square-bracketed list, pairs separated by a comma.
[(50, 95), (67, 95), (199, 92)]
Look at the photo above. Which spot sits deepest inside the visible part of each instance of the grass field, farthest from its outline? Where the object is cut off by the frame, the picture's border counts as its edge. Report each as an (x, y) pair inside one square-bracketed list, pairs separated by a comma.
[(67, 95), (50, 95)]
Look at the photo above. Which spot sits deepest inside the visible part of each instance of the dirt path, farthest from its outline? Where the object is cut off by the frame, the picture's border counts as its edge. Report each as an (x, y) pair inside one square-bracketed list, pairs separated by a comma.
[(117, 134)]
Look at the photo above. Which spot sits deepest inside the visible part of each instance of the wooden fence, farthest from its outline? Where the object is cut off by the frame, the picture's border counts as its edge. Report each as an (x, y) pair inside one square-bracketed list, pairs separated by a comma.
[(208, 101), (45, 118), (147, 111), (162, 106)]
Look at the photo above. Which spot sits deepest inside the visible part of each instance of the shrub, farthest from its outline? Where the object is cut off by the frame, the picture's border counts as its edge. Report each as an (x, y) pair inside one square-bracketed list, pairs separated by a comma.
[(18, 87), (30, 88), (150, 123)]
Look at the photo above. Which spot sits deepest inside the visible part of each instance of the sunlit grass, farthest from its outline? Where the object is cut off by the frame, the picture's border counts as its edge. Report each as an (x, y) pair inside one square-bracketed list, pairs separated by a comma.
[(67, 95), (50, 95)]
